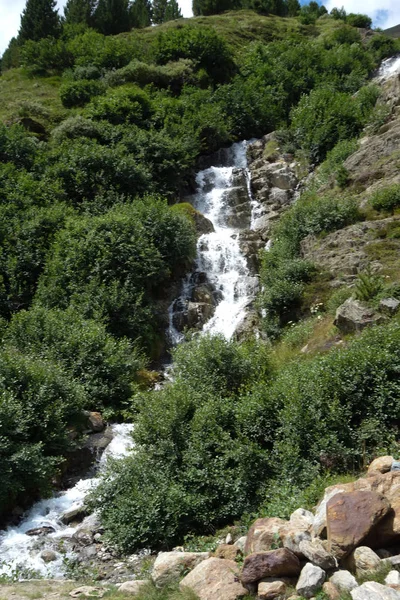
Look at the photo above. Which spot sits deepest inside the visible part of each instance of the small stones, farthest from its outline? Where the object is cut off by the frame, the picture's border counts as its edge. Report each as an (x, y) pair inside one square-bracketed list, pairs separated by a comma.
[(48, 556)]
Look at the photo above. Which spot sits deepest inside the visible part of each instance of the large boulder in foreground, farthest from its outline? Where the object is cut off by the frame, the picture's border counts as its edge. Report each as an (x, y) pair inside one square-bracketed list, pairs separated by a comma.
[(275, 563), (215, 579), (263, 534), (362, 560), (382, 464), (353, 316), (351, 517), (170, 566), (371, 590)]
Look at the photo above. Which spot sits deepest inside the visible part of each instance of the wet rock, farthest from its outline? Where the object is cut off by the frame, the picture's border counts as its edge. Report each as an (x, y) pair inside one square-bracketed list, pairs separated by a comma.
[(382, 464), (240, 218), (201, 223), (204, 294), (316, 553), (215, 579), (87, 553), (133, 587), (310, 580), (94, 421), (48, 556), (170, 566), (75, 513), (271, 590), (263, 534), (273, 563), (280, 197), (282, 177), (353, 316), (351, 517), (389, 306), (40, 531), (344, 581), (371, 590), (250, 245)]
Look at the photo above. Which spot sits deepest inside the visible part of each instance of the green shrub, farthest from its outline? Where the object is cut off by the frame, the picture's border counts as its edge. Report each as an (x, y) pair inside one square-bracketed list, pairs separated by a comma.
[(110, 52), (76, 127), (367, 285), (87, 72), (386, 199), (359, 20), (47, 54), (38, 404), (106, 368), (123, 105), (17, 146), (78, 93), (337, 298)]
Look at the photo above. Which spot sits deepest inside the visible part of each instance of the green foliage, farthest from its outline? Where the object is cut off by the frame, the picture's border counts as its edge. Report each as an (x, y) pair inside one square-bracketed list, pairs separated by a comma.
[(17, 146), (111, 16), (386, 199), (337, 298), (78, 93), (123, 105), (79, 11), (47, 54), (359, 20), (367, 285), (38, 402), (214, 7), (105, 367), (140, 12), (111, 266), (93, 48), (203, 45), (333, 163), (39, 20)]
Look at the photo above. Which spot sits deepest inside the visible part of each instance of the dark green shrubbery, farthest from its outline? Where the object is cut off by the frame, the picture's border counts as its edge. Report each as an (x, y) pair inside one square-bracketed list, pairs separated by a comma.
[(78, 93), (39, 403), (386, 199), (209, 445)]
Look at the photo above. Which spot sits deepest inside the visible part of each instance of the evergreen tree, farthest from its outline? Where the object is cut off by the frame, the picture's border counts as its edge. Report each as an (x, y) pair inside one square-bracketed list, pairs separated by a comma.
[(140, 13), (172, 11), (158, 9), (293, 8), (112, 16), (79, 11), (39, 19), (214, 7)]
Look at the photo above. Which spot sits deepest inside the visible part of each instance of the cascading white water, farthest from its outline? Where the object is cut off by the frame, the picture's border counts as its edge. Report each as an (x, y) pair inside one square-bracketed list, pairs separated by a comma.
[(218, 253), (20, 553), (388, 68)]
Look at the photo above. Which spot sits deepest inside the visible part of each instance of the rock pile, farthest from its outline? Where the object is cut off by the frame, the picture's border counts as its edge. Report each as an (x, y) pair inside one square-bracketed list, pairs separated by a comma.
[(353, 533)]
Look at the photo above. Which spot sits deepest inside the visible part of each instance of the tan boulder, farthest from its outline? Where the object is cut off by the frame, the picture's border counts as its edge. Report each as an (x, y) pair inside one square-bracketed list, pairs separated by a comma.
[(319, 525), (95, 421), (351, 517), (362, 560), (273, 563), (331, 590), (227, 551), (170, 566), (382, 464), (215, 579), (302, 519), (388, 532), (264, 534), (271, 590), (133, 587)]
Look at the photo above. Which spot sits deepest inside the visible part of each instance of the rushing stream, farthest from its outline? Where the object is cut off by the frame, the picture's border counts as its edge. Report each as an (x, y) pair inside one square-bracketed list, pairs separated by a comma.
[(222, 193)]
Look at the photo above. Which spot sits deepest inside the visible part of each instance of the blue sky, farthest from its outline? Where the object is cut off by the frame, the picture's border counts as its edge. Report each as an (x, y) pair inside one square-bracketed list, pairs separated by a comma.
[(385, 13)]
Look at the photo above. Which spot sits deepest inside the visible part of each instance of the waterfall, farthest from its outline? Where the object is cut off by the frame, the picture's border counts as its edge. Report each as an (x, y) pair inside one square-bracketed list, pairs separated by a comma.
[(388, 68), (223, 197), (20, 552)]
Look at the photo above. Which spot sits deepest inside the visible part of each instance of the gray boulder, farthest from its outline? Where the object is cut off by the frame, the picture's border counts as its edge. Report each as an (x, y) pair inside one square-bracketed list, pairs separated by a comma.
[(344, 581), (316, 553), (353, 316), (389, 306), (371, 590), (310, 581)]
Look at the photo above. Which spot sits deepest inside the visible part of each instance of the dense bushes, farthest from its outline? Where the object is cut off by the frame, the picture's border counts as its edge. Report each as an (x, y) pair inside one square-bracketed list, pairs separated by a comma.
[(112, 266), (78, 93), (38, 404), (386, 199), (208, 447)]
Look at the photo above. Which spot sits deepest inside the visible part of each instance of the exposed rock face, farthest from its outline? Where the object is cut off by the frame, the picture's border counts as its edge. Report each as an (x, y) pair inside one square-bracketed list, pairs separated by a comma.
[(274, 563), (351, 517), (353, 316), (389, 306), (169, 566), (292, 539), (310, 581), (227, 551), (215, 579), (371, 590), (75, 513)]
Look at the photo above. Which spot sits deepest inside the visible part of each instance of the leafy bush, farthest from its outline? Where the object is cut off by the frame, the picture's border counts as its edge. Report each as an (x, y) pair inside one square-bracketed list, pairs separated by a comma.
[(386, 199), (109, 52), (38, 405), (173, 74), (359, 20), (47, 54), (124, 105), (78, 93), (17, 146), (367, 285), (111, 266), (105, 367)]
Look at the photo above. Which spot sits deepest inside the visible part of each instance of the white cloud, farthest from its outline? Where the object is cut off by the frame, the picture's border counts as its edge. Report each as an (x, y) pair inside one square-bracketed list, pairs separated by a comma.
[(384, 13), (10, 13)]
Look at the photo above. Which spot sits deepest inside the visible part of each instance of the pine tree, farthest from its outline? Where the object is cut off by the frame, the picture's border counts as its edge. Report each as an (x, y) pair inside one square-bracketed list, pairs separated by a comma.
[(214, 7), (39, 19), (140, 13), (293, 8), (79, 11), (158, 9), (112, 16), (172, 11)]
